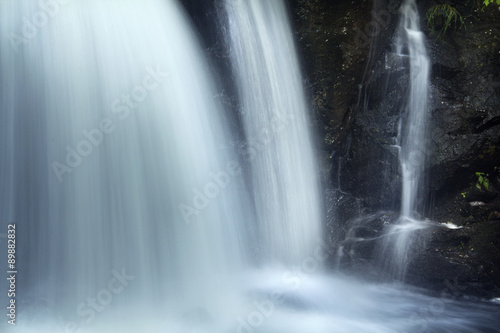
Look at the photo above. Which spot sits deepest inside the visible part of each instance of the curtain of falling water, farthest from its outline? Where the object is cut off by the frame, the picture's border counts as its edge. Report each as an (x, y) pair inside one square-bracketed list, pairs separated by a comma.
[(413, 139), (119, 206), (274, 113), (132, 70)]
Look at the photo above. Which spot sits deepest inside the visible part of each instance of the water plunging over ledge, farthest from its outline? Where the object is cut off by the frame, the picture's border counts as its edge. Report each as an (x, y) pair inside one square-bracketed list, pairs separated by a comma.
[(275, 117), (120, 95)]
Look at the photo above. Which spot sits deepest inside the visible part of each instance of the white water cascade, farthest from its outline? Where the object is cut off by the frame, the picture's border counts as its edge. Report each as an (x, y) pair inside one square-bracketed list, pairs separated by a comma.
[(111, 131), (275, 112), (413, 150), (132, 214), (410, 42)]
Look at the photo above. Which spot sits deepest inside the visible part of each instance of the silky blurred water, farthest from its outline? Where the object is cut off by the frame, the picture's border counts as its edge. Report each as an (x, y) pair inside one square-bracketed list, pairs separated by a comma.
[(414, 128), (111, 130), (287, 300), (410, 42), (132, 213), (275, 117)]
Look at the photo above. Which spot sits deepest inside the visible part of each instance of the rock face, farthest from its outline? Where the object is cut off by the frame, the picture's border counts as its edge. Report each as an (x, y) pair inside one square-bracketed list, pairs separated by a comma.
[(324, 27), (467, 256), (344, 46), (359, 93)]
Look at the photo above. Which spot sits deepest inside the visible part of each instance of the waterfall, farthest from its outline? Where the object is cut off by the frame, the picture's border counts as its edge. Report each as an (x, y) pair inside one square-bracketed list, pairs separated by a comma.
[(275, 117), (114, 158), (133, 211), (410, 43), (413, 149)]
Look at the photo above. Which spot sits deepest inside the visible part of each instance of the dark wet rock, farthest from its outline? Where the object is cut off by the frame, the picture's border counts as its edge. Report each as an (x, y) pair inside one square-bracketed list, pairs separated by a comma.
[(465, 131), (469, 256), (334, 58), (494, 216), (342, 206), (358, 96)]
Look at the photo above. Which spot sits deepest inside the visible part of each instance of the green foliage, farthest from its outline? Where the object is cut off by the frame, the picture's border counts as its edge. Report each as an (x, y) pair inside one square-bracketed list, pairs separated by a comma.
[(487, 2), (443, 16), (482, 180), (482, 4), (464, 194)]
